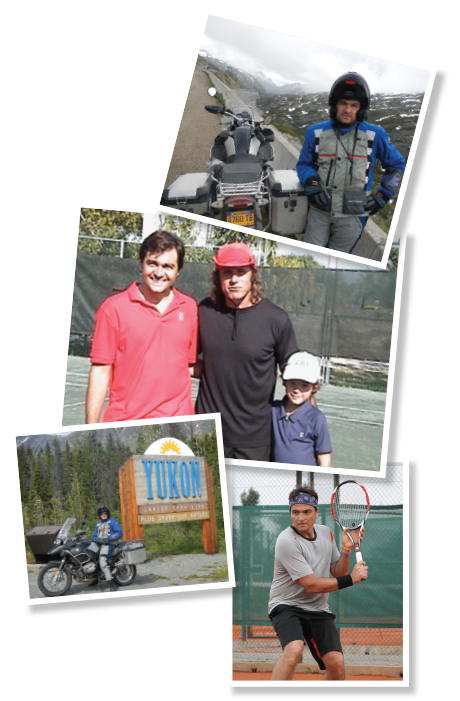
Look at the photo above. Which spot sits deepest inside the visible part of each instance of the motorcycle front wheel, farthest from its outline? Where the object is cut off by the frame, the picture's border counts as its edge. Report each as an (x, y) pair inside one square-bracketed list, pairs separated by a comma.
[(51, 582), (125, 575)]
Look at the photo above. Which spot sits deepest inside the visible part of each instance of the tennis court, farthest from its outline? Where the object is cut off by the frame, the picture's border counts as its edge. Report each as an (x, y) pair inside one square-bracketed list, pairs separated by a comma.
[(369, 617), (355, 416)]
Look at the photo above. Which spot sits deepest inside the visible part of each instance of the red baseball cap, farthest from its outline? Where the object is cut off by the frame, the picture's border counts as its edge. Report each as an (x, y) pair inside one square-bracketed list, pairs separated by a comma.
[(234, 255)]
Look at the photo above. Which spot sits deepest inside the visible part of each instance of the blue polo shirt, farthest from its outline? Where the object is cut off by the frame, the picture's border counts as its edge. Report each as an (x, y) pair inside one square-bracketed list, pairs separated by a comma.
[(298, 438)]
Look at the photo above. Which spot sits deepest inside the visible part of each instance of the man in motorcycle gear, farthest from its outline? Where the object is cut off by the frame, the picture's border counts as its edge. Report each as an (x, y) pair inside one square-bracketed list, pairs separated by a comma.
[(336, 166), (243, 338), (107, 531), (143, 337)]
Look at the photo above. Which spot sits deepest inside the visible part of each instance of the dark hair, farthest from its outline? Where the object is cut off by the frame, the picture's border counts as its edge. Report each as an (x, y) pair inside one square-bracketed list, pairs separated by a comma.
[(257, 289), (304, 488), (161, 241)]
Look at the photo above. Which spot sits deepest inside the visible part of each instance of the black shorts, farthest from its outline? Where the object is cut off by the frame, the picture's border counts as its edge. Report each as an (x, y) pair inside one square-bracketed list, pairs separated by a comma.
[(317, 629), (261, 452)]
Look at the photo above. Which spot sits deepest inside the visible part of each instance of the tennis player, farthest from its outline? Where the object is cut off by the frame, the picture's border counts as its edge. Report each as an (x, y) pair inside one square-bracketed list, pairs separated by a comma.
[(305, 554)]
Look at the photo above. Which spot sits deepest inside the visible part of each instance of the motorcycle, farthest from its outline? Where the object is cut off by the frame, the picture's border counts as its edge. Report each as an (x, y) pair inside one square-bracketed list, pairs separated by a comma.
[(239, 167), (235, 189), (79, 561)]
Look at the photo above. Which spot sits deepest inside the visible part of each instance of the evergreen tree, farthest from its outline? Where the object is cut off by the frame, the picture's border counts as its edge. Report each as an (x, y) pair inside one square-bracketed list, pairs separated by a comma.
[(57, 467), (250, 498), (146, 435)]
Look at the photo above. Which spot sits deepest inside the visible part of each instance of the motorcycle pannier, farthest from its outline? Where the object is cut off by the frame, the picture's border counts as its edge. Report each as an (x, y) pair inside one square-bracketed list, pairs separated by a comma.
[(190, 192), (134, 553), (289, 203)]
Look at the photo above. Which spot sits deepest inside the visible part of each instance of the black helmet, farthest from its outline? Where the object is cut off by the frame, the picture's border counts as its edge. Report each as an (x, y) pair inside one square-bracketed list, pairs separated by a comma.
[(350, 86), (103, 509)]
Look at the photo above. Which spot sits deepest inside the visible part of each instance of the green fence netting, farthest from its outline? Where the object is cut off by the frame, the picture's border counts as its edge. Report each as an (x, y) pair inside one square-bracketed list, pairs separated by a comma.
[(339, 313)]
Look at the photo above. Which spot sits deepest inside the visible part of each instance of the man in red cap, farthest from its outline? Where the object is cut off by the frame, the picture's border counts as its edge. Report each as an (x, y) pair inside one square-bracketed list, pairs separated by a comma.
[(243, 338)]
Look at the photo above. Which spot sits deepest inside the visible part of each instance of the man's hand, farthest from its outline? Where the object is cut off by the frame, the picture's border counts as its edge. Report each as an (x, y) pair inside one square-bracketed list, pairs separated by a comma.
[(359, 572), (316, 193), (354, 535), (375, 203)]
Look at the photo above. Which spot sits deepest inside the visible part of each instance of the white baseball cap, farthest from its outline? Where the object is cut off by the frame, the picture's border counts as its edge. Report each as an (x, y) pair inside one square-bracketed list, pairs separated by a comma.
[(302, 366)]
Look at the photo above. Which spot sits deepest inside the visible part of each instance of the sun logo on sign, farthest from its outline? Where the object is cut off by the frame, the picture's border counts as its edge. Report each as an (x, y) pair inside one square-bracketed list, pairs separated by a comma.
[(170, 446)]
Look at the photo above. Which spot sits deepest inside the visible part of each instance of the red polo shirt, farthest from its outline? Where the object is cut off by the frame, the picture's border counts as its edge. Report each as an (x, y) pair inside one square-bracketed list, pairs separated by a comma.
[(150, 354)]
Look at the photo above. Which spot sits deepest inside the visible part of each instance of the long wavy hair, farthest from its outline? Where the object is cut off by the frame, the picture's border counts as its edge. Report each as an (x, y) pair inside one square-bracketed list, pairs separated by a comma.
[(256, 292)]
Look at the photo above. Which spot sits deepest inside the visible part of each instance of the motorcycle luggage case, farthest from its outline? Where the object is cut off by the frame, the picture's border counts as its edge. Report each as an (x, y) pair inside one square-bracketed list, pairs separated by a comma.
[(289, 203), (190, 192), (134, 553)]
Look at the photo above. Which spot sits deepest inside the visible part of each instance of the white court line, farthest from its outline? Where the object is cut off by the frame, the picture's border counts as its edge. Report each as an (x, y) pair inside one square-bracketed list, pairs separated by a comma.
[(67, 406), (74, 384), (354, 421), (338, 406)]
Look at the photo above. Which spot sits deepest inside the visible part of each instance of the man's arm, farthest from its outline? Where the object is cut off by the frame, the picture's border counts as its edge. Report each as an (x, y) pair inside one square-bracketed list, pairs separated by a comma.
[(324, 459), (341, 566), (98, 383), (322, 585), (305, 165)]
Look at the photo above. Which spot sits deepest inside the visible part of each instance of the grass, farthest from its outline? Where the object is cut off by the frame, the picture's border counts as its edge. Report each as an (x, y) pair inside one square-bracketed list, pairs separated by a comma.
[(285, 130)]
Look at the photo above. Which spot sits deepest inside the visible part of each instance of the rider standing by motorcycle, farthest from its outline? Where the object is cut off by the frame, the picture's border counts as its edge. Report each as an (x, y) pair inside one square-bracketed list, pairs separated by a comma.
[(336, 166), (107, 531)]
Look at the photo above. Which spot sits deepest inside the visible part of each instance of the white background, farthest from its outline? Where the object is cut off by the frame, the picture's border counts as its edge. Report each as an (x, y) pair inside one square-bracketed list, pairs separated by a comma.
[(92, 97)]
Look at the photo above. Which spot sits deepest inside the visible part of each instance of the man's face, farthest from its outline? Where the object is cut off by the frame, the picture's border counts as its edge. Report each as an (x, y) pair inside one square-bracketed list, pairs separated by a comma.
[(236, 285), (347, 110), (298, 391), (159, 272), (104, 516), (303, 518)]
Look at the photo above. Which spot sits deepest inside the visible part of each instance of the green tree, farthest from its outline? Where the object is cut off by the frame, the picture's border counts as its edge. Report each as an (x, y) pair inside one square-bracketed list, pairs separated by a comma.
[(250, 498), (104, 223)]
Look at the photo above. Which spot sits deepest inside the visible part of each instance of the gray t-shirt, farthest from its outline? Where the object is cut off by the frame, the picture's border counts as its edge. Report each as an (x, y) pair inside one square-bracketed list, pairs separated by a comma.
[(296, 557)]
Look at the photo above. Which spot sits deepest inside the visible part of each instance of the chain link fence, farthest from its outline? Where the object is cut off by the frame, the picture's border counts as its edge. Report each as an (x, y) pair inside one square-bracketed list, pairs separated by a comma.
[(369, 616), (343, 316)]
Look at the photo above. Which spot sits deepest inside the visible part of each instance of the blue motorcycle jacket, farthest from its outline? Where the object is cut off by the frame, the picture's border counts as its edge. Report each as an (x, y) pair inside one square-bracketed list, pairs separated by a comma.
[(343, 159), (109, 529)]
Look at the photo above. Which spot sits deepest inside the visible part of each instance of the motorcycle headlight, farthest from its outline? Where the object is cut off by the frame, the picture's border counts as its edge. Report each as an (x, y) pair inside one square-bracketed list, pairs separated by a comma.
[(58, 541)]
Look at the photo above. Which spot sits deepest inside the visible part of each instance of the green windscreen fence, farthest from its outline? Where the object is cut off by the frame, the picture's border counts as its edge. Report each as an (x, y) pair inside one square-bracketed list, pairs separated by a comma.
[(376, 604), (339, 313)]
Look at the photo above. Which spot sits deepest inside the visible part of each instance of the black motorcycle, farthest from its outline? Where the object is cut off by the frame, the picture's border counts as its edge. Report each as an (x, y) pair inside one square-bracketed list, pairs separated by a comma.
[(239, 167), (79, 561)]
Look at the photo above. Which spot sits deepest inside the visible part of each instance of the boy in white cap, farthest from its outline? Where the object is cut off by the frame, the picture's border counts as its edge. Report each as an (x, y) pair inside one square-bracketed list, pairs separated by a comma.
[(300, 435)]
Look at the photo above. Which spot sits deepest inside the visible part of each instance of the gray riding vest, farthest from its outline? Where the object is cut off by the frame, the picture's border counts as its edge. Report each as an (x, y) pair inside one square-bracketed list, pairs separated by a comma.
[(343, 168)]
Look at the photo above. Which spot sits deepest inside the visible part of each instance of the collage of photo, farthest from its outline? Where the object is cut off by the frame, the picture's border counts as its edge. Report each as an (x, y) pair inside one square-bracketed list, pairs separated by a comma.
[(230, 372)]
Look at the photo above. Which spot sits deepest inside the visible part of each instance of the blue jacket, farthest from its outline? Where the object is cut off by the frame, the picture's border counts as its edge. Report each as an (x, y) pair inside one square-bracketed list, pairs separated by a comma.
[(322, 154), (115, 532)]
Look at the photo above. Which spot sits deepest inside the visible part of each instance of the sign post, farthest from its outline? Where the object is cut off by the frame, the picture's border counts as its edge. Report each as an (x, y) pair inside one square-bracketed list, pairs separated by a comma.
[(163, 488)]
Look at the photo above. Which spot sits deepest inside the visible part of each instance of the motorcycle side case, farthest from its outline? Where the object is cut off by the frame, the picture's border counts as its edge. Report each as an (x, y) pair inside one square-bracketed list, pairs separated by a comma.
[(134, 553), (190, 192), (289, 203)]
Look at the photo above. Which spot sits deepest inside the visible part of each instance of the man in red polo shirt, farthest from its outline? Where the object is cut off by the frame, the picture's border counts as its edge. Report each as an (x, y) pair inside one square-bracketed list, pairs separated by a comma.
[(145, 341)]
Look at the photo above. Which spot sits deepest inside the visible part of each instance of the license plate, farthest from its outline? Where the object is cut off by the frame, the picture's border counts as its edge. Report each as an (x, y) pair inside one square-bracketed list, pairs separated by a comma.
[(241, 217)]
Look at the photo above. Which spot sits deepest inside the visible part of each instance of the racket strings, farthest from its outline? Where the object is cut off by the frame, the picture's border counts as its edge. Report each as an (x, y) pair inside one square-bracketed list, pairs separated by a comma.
[(350, 505)]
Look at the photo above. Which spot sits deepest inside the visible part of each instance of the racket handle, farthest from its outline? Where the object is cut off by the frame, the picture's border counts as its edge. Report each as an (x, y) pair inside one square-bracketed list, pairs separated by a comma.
[(359, 557)]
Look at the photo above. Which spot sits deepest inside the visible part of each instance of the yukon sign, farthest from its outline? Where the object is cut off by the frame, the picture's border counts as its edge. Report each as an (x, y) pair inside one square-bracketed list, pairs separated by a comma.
[(170, 488)]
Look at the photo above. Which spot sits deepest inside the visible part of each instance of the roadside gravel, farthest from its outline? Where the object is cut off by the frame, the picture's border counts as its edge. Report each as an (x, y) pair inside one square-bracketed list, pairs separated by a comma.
[(197, 131), (168, 571)]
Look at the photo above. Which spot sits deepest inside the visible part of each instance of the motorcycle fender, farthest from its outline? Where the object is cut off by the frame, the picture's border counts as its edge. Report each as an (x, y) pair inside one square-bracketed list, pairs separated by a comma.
[(54, 562)]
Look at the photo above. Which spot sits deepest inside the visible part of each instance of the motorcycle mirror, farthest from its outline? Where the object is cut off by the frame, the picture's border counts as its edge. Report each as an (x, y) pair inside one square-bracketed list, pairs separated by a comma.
[(212, 91), (267, 120)]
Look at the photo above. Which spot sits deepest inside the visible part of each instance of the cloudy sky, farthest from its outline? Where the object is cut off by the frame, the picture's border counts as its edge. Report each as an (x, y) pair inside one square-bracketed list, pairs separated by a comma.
[(287, 59)]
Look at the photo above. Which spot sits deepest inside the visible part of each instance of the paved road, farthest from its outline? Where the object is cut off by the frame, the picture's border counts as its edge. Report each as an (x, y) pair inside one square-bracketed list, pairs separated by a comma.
[(170, 571)]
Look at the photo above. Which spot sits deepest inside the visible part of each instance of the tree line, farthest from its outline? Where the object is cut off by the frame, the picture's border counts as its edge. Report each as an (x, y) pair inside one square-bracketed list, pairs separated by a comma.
[(72, 482)]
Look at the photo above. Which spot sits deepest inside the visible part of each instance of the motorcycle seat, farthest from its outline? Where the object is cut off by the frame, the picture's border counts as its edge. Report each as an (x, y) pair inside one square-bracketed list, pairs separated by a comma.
[(242, 158), (241, 171)]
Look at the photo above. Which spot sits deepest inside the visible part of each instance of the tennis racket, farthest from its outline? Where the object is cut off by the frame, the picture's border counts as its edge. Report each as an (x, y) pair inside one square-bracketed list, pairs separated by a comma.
[(350, 508)]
